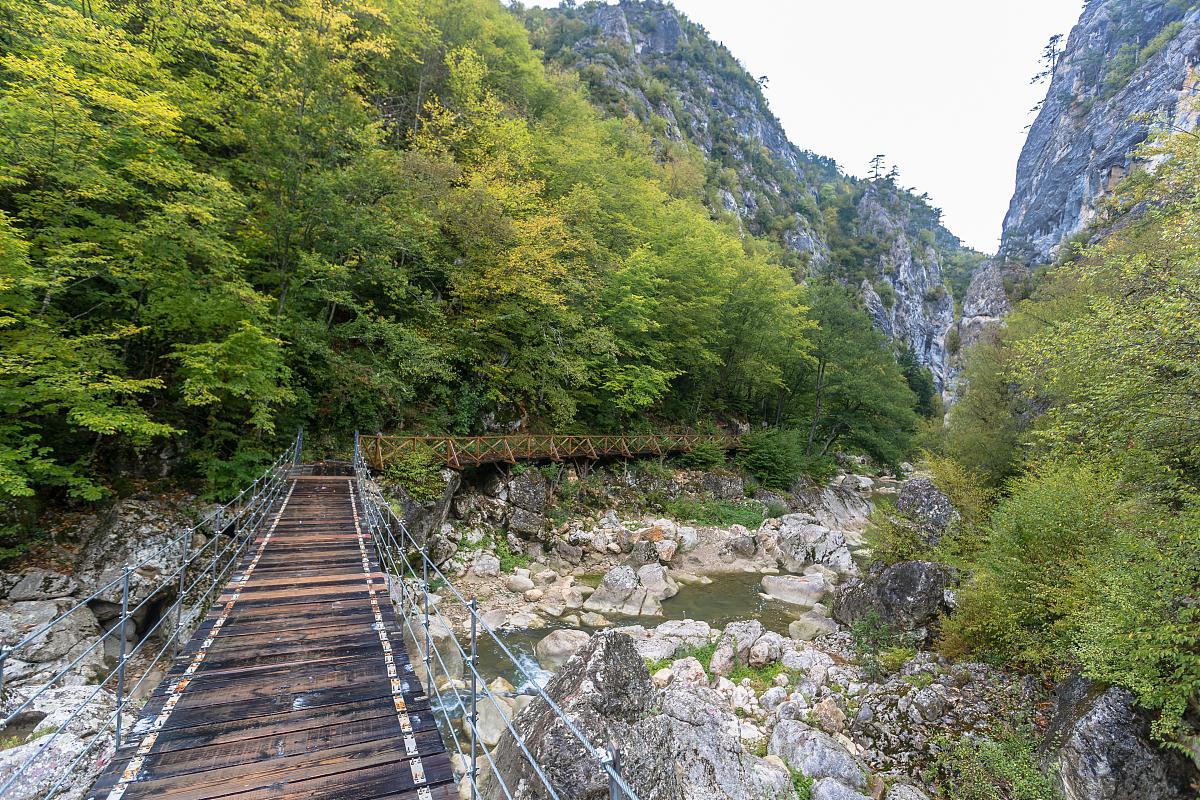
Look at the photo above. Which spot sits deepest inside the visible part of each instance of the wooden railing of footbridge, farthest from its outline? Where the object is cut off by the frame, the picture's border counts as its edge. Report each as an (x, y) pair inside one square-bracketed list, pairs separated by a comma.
[(468, 451)]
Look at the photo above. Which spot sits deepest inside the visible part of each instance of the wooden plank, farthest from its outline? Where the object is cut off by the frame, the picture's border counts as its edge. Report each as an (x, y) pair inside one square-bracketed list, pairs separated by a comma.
[(289, 695)]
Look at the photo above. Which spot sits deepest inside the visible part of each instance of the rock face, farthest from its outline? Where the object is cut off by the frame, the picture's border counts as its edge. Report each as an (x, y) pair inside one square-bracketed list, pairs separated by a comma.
[(642, 57), (802, 544), (919, 310), (1099, 744), (906, 597), (678, 744), (1115, 67), (424, 518)]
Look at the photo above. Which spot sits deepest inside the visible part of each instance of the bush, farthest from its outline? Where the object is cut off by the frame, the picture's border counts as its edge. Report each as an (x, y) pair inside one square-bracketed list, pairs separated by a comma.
[(872, 639), (1030, 581), (802, 784), (419, 473), (892, 538), (774, 457), (1000, 768), (705, 455)]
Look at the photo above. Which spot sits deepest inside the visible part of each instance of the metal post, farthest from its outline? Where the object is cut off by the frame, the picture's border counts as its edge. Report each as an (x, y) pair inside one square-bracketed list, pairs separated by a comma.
[(425, 624), (121, 653), (299, 447), (3, 659), (474, 609), (614, 789), (183, 565)]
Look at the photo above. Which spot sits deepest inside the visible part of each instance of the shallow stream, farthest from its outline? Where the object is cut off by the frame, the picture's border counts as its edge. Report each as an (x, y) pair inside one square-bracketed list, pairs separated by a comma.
[(728, 598)]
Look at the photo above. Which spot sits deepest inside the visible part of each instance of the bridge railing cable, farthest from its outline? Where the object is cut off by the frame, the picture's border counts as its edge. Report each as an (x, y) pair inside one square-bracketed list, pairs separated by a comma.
[(190, 586), (437, 640)]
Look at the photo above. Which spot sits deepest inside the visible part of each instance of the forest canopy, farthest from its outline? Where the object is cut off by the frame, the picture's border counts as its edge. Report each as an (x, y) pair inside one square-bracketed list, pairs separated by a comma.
[(222, 220)]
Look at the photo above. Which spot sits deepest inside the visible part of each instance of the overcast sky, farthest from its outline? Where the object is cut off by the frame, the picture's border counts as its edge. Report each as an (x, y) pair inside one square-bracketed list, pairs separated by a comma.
[(941, 87)]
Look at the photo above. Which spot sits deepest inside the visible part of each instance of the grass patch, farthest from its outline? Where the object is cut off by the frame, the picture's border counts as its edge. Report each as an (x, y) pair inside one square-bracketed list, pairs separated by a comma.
[(702, 653), (761, 678), (802, 784), (724, 513)]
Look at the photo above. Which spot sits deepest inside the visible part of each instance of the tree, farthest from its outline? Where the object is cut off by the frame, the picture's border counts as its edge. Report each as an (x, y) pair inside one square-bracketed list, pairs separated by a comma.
[(876, 165)]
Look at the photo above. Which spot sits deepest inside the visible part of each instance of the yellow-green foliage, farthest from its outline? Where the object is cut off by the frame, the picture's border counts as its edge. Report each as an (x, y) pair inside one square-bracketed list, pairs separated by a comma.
[(419, 472), (1000, 767)]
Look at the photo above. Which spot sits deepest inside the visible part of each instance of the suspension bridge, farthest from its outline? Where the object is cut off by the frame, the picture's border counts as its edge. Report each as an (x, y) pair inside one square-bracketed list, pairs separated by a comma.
[(296, 659)]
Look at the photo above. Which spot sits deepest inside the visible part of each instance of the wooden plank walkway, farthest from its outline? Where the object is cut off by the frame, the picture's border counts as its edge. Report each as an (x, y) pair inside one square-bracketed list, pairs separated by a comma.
[(472, 451), (297, 684)]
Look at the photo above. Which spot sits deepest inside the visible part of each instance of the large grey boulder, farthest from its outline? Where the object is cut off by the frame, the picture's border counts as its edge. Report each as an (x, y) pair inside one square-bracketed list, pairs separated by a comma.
[(529, 491), (906, 597), (733, 646), (833, 789), (805, 590), (836, 507), (815, 754), (802, 544), (40, 584), (558, 646), (921, 500), (679, 745), (1100, 748), (424, 518), (624, 591), (48, 654)]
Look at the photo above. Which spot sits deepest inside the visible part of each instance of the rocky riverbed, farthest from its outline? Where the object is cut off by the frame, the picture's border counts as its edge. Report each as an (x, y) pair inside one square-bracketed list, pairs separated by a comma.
[(742, 652)]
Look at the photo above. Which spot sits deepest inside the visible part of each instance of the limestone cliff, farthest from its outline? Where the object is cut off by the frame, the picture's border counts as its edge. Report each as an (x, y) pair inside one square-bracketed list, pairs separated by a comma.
[(642, 58), (1127, 68)]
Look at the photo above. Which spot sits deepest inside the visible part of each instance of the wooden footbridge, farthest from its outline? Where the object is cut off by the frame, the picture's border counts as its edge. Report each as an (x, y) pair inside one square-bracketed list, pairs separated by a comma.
[(467, 451), (304, 597), (298, 683)]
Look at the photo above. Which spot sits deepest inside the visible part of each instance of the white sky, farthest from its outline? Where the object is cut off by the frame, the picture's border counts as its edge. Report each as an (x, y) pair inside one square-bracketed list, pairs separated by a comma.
[(941, 87)]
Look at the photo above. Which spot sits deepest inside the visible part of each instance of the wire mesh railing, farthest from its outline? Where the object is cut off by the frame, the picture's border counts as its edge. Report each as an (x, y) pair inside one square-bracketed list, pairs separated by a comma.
[(180, 595), (412, 573)]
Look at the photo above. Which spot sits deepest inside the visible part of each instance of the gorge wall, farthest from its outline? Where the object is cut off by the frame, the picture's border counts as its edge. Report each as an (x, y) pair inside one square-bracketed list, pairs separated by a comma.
[(642, 58), (1127, 69)]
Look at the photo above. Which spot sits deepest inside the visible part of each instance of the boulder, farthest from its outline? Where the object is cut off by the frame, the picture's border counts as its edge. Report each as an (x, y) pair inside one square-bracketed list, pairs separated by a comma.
[(486, 565), (529, 491), (519, 583), (921, 500), (424, 518), (815, 754), (902, 791), (802, 544), (733, 646), (906, 597), (811, 625), (554, 650), (525, 523), (804, 591), (570, 553), (836, 507), (1100, 748), (642, 552), (640, 593), (669, 638), (832, 789), (74, 637)]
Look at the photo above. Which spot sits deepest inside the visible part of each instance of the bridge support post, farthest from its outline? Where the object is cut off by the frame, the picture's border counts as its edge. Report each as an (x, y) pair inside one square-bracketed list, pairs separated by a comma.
[(121, 652), (425, 619), (183, 565), (473, 769)]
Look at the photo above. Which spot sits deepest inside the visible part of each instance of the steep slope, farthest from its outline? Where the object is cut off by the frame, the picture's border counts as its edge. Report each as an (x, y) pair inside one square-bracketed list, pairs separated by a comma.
[(1125, 70), (644, 59)]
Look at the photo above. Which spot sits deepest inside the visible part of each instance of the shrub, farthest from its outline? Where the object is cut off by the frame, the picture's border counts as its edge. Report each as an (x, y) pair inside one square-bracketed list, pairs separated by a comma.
[(705, 455), (1030, 580), (953, 341), (1161, 40), (1001, 768), (891, 538), (776, 509), (419, 473), (872, 638), (894, 658), (774, 457)]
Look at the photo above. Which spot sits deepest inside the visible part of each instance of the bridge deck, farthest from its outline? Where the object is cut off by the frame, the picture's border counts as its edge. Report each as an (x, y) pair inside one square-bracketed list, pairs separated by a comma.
[(286, 690)]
